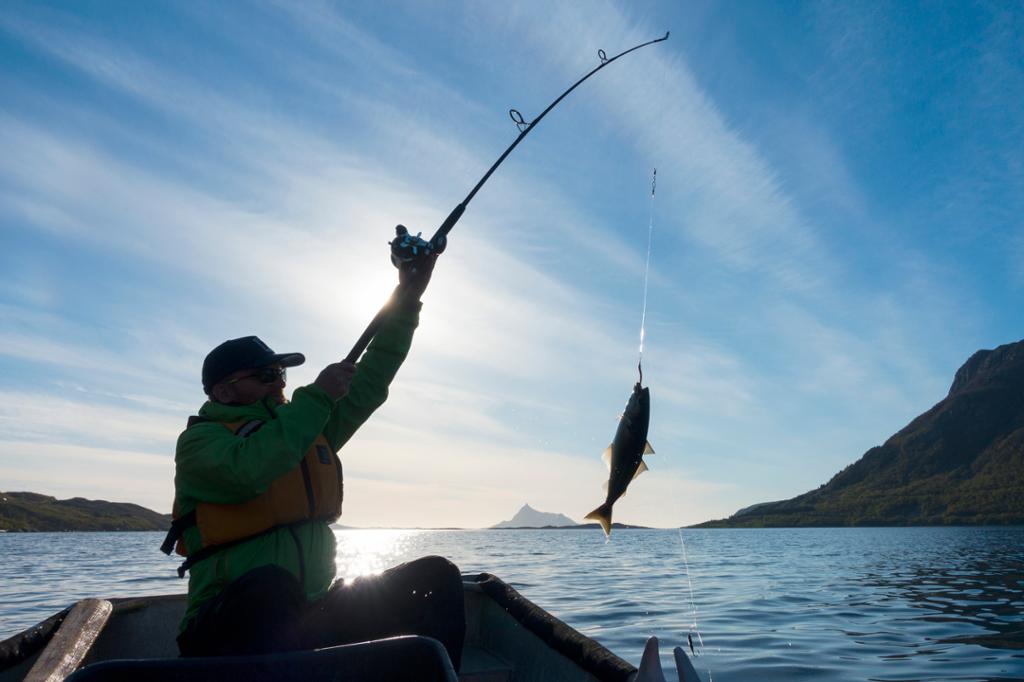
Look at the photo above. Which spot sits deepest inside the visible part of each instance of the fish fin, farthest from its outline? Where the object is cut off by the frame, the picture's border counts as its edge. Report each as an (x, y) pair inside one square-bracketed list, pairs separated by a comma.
[(606, 456), (648, 450), (602, 515), (650, 664), (684, 667), (640, 469)]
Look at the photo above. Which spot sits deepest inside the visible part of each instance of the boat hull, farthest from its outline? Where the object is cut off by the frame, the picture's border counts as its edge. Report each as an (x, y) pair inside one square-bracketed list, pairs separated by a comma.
[(507, 637)]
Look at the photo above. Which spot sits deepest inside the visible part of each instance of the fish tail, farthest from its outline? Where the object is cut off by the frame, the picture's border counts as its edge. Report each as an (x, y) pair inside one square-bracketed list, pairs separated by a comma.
[(603, 515)]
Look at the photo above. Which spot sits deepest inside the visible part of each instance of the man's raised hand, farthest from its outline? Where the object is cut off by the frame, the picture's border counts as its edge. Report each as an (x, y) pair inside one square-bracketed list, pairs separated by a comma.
[(336, 378)]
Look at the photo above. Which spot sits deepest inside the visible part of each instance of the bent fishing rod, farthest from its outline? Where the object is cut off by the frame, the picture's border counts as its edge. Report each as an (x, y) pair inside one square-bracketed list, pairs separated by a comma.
[(407, 250)]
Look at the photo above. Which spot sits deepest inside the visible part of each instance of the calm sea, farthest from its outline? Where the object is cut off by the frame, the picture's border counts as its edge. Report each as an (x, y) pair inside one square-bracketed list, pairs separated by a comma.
[(812, 604)]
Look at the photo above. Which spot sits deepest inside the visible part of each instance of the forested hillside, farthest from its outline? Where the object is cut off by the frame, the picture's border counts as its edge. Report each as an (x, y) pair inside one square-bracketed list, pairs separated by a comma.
[(34, 512)]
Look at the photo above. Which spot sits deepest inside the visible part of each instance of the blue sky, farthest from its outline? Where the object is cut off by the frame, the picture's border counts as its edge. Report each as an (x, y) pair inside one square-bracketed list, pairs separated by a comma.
[(837, 228)]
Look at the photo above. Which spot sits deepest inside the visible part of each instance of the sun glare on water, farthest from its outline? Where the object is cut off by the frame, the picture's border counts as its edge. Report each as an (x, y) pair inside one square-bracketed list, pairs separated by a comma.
[(369, 552)]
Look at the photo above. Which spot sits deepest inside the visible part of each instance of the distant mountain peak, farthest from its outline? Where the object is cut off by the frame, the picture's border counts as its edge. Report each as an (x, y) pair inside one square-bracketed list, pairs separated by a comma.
[(528, 517), (1002, 366)]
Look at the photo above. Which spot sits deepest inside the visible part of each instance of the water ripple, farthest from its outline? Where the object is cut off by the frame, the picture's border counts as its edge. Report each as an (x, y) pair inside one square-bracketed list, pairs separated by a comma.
[(832, 605)]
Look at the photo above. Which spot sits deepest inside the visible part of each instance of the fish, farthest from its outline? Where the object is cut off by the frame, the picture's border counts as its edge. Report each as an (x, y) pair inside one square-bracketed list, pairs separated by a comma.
[(625, 455)]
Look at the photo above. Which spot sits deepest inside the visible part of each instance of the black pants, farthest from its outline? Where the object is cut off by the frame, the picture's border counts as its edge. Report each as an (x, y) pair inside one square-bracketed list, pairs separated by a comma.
[(264, 611)]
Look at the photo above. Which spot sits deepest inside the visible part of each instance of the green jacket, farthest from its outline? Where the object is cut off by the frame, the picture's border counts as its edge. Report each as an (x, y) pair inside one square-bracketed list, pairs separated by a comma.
[(214, 465)]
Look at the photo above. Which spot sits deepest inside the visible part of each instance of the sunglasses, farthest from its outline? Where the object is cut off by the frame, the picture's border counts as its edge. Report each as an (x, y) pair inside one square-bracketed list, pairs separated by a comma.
[(267, 375)]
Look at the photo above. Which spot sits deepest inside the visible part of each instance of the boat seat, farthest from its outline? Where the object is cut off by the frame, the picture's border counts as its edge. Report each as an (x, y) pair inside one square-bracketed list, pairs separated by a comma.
[(397, 658)]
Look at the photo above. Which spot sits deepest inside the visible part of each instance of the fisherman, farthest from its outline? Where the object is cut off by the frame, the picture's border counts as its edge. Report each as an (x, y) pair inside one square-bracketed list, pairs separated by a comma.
[(257, 483)]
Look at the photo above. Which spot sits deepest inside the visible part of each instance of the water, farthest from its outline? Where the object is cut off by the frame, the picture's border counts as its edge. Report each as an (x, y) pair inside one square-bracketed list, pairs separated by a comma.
[(815, 604)]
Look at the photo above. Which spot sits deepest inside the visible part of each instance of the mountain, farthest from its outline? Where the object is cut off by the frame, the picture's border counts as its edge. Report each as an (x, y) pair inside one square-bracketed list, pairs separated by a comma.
[(528, 517), (35, 512), (959, 463)]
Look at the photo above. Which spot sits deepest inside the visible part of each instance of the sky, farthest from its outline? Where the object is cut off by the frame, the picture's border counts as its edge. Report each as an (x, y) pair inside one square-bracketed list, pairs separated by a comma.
[(836, 229)]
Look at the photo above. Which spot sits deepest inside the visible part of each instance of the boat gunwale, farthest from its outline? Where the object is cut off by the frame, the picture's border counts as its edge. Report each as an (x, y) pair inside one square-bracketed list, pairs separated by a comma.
[(586, 652)]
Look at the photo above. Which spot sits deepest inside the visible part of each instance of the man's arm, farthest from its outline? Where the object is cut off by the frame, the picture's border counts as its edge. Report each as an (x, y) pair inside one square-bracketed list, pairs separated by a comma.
[(214, 465), (384, 355), (376, 370)]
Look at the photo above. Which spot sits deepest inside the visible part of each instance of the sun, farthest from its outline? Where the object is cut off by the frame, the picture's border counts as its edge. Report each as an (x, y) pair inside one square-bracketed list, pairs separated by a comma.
[(373, 287)]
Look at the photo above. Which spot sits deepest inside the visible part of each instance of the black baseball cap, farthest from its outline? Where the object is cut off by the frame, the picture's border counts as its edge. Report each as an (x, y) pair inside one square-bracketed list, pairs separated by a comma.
[(248, 352)]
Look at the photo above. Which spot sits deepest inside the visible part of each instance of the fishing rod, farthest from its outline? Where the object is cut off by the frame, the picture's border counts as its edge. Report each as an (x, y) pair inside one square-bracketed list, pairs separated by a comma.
[(408, 250)]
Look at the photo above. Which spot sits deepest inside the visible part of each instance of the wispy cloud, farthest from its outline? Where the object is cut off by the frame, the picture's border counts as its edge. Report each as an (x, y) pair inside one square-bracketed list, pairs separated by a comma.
[(790, 326), (52, 419), (68, 470), (727, 196)]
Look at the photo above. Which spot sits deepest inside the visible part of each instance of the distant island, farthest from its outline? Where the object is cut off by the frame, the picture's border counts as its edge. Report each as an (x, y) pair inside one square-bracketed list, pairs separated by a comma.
[(27, 512), (32, 512), (529, 518), (959, 463)]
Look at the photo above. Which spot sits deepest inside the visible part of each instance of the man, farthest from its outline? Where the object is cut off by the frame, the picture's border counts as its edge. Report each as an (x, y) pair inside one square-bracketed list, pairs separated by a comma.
[(257, 483)]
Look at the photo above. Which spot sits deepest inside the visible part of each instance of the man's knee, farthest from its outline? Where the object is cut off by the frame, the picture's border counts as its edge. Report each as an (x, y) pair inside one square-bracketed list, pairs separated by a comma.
[(435, 567)]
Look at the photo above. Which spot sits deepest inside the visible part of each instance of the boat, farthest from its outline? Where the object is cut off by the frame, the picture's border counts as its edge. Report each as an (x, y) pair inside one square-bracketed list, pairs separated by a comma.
[(508, 637)]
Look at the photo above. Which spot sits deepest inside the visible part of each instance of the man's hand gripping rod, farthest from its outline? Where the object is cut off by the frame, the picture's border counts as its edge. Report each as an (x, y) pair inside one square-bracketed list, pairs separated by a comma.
[(407, 251)]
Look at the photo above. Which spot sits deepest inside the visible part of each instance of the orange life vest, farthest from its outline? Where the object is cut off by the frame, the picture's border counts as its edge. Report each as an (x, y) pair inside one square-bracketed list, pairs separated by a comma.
[(311, 490)]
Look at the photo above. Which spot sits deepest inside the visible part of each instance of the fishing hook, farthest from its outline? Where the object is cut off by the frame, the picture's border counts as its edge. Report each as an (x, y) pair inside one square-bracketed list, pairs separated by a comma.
[(438, 242)]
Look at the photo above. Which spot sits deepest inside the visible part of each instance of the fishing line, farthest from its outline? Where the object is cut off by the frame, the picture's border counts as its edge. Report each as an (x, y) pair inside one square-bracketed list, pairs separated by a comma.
[(647, 274), (694, 627), (693, 606)]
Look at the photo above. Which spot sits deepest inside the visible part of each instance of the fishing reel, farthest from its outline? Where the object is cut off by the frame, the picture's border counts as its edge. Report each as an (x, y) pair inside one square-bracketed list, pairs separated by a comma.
[(408, 250)]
